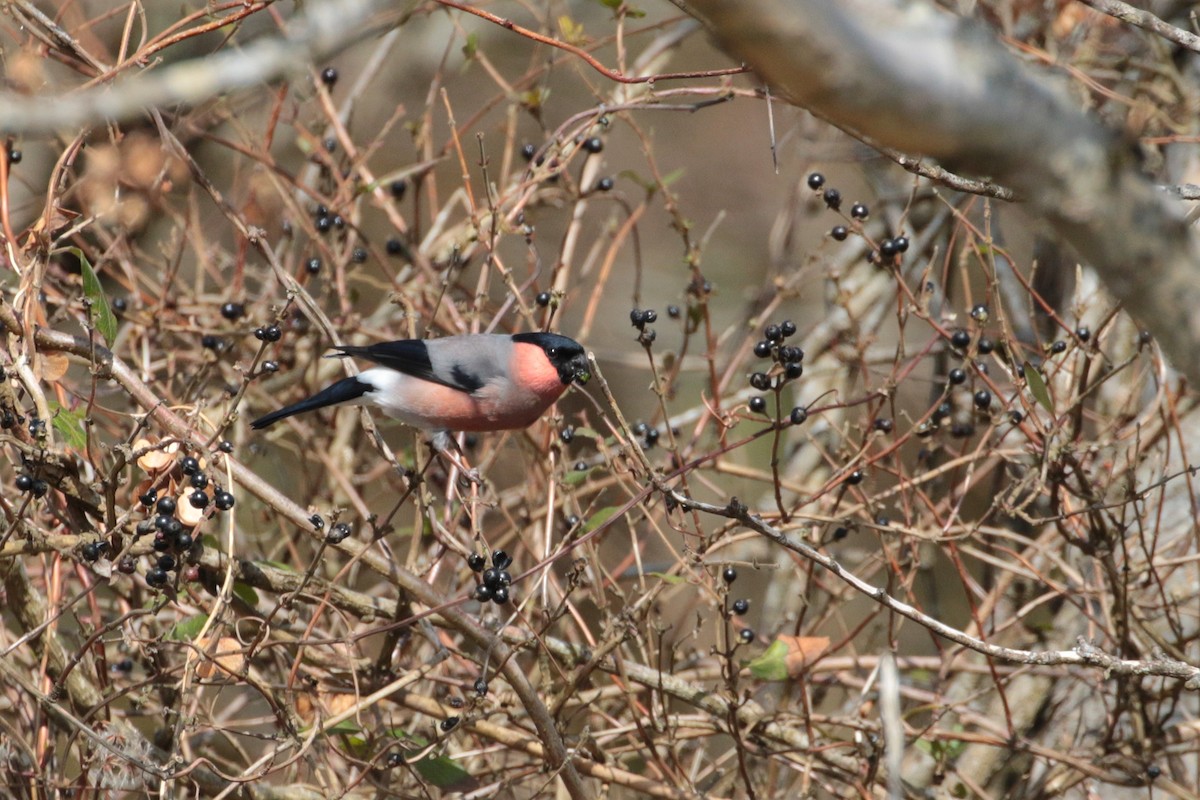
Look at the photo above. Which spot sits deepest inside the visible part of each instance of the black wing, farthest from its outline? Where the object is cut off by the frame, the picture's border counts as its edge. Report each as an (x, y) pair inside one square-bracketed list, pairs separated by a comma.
[(411, 356)]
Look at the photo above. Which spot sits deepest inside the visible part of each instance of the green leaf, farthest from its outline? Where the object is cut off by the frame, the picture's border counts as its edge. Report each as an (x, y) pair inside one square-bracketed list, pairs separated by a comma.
[(534, 99), (69, 425), (438, 770), (572, 31), (102, 315), (441, 772), (246, 593), (771, 665), (1037, 387), (673, 176), (576, 477), (599, 518), (674, 580), (345, 726), (471, 47), (187, 630)]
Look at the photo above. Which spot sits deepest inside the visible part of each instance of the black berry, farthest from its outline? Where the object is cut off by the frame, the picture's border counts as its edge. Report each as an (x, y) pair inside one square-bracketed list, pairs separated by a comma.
[(758, 404), (338, 533), (593, 145), (832, 198), (329, 76), (799, 415), (859, 211), (233, 311), (741, 606), (198, 499), (839, 233), (957, 376), (983, 398), (729, 574)]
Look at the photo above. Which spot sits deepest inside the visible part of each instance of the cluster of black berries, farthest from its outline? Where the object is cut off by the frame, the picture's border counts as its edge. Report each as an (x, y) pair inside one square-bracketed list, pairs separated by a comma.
[(649, 433), (788, 358), (35, 486), (888, 249), (268, 333), (496, 579), (171, 536), (323, 220), (640, 318), (738, 607)]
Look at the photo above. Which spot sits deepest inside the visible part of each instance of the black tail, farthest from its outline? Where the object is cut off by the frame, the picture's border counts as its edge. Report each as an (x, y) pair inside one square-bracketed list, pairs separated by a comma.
[(343, 391)]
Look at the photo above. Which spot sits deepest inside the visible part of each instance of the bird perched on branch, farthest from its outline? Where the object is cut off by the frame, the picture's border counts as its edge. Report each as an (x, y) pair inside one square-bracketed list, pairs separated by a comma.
[(476, 382)]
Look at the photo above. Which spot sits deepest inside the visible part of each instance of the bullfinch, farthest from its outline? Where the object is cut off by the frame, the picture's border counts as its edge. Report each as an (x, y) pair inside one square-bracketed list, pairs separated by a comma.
[(475, 382)]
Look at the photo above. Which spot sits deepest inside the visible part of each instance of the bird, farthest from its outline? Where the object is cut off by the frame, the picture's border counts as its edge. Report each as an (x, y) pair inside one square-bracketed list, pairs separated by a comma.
[(470, 382)]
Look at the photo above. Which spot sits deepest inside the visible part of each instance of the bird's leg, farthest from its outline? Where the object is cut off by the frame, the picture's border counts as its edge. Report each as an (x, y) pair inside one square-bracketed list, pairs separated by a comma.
[(445, 446)]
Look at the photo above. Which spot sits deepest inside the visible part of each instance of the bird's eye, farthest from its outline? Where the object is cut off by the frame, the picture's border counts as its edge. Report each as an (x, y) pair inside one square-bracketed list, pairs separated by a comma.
[(553, 351)]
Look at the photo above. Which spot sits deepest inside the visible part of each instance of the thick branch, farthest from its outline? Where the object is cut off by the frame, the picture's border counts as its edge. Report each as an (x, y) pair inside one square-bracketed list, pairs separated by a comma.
[(923, 81)]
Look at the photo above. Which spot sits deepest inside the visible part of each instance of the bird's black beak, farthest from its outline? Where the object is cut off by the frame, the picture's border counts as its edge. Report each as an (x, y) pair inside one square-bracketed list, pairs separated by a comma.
[(581, 371)]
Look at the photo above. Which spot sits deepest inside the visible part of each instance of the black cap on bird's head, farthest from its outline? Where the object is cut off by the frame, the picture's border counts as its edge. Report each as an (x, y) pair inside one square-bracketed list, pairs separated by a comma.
[(566, 355)]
